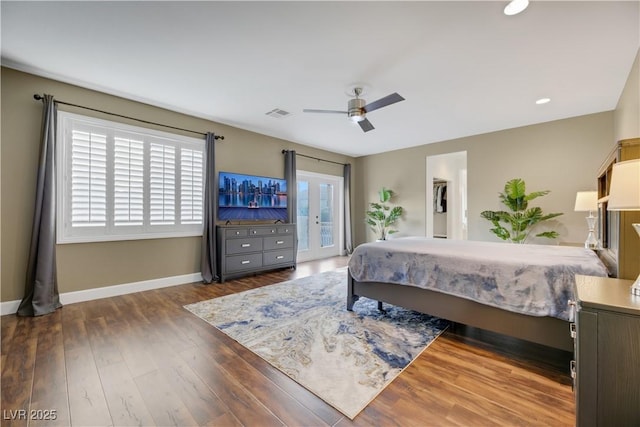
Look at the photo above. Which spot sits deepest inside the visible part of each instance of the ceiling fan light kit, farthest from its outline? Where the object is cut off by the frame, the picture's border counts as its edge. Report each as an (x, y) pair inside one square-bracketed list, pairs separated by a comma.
[(357, 108)]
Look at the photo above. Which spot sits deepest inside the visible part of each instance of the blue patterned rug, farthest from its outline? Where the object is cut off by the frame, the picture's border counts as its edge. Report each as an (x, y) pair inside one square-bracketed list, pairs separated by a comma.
[(302, 327)]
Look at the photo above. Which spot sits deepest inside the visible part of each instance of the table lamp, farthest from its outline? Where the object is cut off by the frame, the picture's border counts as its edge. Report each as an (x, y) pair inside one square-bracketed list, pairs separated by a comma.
[(587, 201), (624, 195)]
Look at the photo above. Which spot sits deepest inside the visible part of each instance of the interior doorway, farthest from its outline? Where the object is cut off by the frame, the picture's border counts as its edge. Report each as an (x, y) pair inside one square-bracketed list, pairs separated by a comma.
[(446, 210)]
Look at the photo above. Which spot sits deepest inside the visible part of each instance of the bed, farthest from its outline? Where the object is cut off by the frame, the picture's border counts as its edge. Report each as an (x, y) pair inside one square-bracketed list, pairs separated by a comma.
[(518, 290)]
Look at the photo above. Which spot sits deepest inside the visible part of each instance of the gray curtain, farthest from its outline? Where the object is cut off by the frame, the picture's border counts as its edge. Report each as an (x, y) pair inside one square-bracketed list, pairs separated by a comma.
[(41, 287), (292, 192), (208, 257), (348, 236)]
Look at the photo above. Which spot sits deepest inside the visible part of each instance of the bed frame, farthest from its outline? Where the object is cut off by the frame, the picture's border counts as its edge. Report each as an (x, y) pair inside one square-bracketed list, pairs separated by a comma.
[(546, 330)]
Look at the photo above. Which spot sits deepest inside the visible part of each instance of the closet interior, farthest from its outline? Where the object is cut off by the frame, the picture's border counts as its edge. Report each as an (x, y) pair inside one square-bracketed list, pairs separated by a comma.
[(439, 208)]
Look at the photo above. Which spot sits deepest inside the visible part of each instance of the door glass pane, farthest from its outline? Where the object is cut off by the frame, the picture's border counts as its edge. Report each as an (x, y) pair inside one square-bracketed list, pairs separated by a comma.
[(303, 216), (326, 215)]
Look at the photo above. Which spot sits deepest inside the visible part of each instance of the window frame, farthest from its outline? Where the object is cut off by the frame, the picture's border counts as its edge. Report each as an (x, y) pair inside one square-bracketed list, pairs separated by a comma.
[(66, 233)]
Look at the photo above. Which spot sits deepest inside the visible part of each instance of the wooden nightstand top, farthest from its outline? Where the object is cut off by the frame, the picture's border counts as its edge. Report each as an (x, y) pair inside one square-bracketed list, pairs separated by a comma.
[(605, 293)]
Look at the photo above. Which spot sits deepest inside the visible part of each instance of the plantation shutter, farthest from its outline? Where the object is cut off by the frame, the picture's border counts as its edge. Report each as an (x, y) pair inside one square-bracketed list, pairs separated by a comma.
[(163, 184), (120, 182), (88, 179), (191, 192), (128, 182)]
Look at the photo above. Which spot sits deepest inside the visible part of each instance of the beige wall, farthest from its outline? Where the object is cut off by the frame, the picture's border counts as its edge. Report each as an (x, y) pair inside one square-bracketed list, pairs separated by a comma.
[(92, 265), (562, 156), (627, 117)]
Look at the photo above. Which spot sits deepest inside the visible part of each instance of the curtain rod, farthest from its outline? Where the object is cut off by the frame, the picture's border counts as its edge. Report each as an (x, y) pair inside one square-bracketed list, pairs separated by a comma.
[(38, 97), (317, 158)]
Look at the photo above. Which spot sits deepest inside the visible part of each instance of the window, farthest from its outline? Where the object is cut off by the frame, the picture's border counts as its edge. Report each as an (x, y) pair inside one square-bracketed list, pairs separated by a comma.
[(120, 182)]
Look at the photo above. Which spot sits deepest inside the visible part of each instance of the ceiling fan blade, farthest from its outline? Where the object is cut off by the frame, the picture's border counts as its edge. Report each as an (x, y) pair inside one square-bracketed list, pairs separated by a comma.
[(383, 102), (306, 110), (366, 125)]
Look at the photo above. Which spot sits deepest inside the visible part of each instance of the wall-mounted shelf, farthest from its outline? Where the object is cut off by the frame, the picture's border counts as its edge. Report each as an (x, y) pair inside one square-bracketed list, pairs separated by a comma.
[(620, 242)]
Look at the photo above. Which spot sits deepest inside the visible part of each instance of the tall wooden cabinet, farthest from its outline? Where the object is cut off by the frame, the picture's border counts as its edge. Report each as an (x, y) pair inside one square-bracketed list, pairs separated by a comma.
[(607, 343), (620, 243)]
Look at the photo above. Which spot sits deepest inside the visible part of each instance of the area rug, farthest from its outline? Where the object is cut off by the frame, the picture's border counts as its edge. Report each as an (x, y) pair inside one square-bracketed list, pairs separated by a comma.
[(302, 327)]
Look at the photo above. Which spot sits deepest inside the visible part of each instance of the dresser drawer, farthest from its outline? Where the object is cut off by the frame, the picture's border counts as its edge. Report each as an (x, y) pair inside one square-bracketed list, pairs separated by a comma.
[(278, 242), (236, 233), (278, 257), (286, 229), (263, 231), (254, 248), (243, 262), (240, 246)]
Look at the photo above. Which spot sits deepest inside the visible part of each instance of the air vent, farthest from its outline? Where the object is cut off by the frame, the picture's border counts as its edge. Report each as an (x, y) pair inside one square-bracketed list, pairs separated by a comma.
[(278, 113)]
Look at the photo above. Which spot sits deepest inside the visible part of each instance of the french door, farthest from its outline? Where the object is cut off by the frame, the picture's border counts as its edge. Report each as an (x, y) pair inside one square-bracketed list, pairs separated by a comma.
[(319, 216)]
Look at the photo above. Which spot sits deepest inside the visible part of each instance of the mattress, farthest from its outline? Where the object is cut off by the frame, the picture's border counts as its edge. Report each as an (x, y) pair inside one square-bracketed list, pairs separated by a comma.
[(536, 280)]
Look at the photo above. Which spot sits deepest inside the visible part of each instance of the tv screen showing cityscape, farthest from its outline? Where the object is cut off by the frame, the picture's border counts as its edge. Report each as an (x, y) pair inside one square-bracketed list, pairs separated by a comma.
[(251, 198)]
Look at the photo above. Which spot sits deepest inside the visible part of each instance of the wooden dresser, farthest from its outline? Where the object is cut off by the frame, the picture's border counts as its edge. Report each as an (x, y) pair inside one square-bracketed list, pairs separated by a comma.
[(606, 370), (250, 249), (620, 243)]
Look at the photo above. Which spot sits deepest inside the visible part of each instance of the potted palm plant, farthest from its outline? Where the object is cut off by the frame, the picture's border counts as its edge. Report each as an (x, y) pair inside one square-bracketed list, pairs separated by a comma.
[(381, 215), (519, 222)]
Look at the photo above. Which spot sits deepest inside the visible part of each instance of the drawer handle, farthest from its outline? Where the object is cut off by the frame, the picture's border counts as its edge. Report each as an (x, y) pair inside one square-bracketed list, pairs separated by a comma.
[(572, 330), (572, 310), (237, 233), (279, 242), (572, 367), (280, 257), (246, 245), (246, 262)]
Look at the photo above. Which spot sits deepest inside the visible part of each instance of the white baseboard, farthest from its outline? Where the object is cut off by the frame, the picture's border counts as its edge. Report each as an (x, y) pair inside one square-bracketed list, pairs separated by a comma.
[(10, 307)]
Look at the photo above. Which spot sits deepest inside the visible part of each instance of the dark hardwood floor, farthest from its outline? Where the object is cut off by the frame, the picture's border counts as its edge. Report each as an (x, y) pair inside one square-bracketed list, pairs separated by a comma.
[(141, 359)]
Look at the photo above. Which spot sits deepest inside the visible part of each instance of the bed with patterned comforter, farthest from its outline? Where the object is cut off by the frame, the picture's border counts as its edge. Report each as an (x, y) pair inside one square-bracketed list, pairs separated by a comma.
[(530, 280)]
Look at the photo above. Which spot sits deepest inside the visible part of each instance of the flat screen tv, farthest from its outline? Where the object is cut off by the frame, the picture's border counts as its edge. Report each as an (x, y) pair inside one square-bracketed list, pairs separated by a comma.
[(251, 198)]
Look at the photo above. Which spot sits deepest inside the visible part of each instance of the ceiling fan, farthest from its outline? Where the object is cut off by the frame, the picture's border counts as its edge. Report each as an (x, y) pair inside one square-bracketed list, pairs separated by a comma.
[(357, 108)]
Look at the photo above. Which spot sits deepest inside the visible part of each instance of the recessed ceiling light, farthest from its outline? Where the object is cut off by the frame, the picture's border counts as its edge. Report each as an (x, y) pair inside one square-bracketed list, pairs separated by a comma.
[(543, 101), (515, 6)]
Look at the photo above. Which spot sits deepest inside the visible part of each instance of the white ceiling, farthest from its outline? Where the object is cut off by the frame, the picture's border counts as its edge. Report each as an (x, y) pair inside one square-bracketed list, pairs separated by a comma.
[(464, 67)]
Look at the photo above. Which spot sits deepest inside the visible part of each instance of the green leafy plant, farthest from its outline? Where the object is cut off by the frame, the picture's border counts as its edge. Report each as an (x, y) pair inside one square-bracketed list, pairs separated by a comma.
[(381, 216), (518, 223)]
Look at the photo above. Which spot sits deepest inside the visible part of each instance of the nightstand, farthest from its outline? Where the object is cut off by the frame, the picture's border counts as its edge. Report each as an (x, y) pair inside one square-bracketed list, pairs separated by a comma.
[(606, 370)]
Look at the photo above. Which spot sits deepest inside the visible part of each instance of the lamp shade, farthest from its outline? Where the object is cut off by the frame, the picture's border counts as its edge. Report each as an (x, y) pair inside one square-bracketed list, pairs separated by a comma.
[(586, 201), (624, 192)]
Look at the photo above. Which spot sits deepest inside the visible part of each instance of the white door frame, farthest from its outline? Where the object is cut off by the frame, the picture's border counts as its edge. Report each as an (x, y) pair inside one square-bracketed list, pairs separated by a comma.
[(451, 167), (316, 251)]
